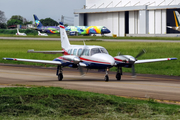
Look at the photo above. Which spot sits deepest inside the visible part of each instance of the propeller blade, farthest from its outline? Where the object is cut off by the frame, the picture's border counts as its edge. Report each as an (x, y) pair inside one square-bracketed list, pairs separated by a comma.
[(140, 53), (119, 54), (80, 70), (133, 71), (83, 50)]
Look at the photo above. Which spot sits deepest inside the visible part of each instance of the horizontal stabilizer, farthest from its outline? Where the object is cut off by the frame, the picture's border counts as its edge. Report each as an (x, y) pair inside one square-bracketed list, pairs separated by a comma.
[(46, 52)]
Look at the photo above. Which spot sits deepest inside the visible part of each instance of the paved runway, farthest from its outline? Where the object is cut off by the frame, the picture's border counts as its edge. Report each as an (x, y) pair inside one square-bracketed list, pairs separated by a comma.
[(84, 39), (143, 86)]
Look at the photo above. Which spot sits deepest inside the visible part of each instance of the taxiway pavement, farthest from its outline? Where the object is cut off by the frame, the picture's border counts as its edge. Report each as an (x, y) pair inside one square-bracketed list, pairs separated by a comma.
[(143, 86)]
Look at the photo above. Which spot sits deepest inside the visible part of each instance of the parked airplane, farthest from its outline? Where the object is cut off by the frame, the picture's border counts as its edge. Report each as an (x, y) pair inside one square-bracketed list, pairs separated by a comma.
[(21, 34), (42, 34), (177, 21), (87, 30), (89, 57), (46, 29)]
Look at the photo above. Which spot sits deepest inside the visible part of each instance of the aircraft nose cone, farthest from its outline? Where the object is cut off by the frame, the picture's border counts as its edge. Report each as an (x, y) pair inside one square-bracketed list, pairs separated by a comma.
[(105, 58), (105, 31)]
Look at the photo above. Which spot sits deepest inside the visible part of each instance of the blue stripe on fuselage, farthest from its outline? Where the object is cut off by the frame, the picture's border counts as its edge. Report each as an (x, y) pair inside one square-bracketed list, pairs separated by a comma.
[(90, 65)]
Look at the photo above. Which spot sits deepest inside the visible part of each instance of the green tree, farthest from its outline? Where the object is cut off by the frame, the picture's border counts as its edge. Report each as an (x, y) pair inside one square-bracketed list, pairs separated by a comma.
[(2, 20), (13, 22), (2, 26), (18, 20), (49, 22)]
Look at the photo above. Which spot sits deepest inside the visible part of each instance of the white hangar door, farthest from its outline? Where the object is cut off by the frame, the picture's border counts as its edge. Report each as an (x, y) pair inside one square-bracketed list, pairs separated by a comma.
[(133, 22), (115, 22), (157, 21)]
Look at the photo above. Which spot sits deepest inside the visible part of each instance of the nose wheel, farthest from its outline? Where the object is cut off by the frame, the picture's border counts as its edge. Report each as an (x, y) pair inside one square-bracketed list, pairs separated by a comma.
[(106, 78), (59, 73)]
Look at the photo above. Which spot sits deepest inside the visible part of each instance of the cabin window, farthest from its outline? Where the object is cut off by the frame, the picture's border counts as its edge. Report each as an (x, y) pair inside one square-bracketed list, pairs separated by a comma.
[(95, 50), (74, 52), (103, 50), (79, 52), (69, 51), (86, 52)]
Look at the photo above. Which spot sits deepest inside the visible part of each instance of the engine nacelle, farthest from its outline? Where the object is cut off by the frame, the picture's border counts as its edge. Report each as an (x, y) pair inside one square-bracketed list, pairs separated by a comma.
[(71, 58)]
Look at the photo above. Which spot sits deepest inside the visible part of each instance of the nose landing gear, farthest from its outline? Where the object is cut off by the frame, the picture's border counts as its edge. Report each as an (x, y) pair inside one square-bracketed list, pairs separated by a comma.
[(106, 78)]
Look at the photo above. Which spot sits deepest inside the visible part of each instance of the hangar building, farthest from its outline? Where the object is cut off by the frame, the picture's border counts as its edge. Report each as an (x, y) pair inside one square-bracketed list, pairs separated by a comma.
[(129, 17)]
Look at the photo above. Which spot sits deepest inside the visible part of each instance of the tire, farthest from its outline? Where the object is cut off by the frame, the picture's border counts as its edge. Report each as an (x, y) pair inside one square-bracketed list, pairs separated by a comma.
[(118, 76), (60, 76), (106, 78)]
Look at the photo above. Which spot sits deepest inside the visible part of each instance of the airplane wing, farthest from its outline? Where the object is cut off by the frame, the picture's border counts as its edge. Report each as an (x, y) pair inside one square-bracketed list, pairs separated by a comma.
[(46, 52), (153, 60), (35, 61), (169, 27)]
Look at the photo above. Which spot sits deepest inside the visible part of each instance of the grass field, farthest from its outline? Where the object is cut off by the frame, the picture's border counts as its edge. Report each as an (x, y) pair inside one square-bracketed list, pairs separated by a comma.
[(95, 37), (18, 49), (54, 103)]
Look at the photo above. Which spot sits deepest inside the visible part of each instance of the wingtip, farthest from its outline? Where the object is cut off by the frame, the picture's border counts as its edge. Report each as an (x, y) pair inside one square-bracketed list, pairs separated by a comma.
[(173, 58)]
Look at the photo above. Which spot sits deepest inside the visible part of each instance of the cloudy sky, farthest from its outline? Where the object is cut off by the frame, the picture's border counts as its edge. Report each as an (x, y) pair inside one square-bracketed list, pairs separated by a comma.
[(42, 8)]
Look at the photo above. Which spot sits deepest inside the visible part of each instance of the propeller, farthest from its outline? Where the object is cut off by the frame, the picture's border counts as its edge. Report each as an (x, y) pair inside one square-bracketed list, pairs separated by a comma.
[(131, 61), (138, 55)]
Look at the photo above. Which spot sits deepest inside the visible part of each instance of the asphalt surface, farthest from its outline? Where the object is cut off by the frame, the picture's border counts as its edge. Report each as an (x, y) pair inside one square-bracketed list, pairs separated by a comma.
[(81, 39), (142, 86)]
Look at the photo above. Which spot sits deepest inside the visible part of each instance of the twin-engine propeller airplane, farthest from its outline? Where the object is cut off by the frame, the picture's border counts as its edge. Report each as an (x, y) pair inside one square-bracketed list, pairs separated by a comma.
[(89, 57)]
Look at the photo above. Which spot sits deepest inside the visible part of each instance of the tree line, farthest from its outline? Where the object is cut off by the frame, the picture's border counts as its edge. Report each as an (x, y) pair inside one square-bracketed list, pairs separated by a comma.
[(19, 20)]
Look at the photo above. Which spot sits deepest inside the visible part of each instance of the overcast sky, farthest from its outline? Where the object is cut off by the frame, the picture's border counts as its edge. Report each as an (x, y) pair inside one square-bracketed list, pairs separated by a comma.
[(42, 8)]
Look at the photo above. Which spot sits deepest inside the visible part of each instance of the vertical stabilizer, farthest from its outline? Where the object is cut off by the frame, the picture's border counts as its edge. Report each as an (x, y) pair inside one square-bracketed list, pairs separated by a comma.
[(64, 38), (17, 30), (177, 18), (37, 21)]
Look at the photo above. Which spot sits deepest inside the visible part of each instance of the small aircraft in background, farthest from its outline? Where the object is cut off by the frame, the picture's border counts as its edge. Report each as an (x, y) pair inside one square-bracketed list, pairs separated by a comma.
[(21, 34), (87, 30), (89, 57), (46, 29), (177, 21), (42, 34)]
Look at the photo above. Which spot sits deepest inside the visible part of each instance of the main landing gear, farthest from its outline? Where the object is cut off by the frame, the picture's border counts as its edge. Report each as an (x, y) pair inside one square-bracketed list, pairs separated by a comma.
[(59, 73), (119, 73)]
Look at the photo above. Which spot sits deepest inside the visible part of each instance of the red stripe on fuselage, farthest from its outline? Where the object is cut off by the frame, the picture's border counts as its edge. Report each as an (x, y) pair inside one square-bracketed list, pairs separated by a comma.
[(117, 59), (65, 52), (62, 26)]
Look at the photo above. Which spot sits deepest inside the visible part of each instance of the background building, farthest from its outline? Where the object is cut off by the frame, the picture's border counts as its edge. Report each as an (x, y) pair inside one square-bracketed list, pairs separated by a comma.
[(129, 17)]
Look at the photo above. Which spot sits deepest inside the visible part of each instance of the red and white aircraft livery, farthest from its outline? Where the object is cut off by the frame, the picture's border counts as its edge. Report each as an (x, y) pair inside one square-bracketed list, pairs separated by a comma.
[(89, 57)]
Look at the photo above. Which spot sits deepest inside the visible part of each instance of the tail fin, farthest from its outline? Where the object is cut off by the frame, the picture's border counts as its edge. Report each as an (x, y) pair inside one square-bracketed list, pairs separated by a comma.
[(64, 38), (17, 30), (37, 21), (177, 18)]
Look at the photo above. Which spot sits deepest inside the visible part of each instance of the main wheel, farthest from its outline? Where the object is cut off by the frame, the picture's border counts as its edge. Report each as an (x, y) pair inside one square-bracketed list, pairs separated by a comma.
[(118, 76), (106, 78), (60, 76)]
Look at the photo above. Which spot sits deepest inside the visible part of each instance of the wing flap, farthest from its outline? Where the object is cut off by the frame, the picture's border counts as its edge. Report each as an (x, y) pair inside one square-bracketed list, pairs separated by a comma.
[(46, 52), (154, 60), (35, 61)]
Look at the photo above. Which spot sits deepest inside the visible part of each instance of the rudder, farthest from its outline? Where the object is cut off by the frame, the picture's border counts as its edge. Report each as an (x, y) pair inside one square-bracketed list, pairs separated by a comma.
[(37, 21), (64, 38)]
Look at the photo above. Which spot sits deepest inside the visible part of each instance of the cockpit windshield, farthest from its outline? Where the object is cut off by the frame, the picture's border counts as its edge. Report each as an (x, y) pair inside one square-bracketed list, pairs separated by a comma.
[(98, 50)]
